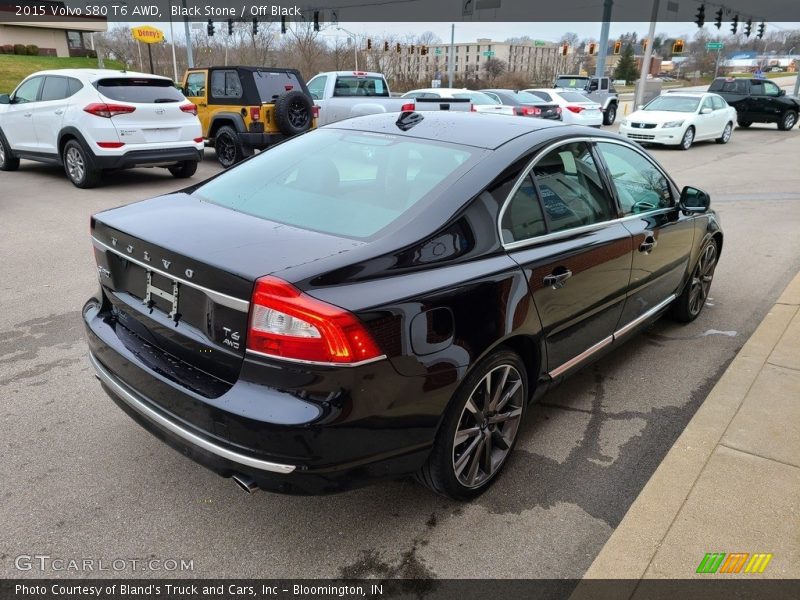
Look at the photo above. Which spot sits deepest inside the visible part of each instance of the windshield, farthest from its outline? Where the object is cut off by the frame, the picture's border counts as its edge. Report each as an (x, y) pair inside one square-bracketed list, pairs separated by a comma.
[(577, 83), (674, 104), (574, 97), (270, 85), (346, 183), (478, 98), (127, 89)]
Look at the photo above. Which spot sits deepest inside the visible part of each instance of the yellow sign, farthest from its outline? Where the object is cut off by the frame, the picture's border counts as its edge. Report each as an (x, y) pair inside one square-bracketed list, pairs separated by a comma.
[(147, 34)]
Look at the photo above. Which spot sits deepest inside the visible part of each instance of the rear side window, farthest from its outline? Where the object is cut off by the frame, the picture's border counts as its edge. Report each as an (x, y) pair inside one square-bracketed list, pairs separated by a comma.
[(360, 86), (523, 217), (271, 84), (736, 87), (226, 84), (139, 91), (345, 183), (74, 86), (55, 88)]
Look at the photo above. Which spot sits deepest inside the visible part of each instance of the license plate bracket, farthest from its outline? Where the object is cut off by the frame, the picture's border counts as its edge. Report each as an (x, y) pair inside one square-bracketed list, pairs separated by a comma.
[(152, 290)]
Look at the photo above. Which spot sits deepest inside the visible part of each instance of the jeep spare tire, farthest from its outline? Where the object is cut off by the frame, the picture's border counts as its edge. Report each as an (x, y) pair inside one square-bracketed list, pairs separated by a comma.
[(293, 113)]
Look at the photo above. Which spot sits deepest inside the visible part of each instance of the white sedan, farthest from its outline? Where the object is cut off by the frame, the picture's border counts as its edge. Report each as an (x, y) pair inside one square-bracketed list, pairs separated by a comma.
[(576, 108), (680, 119)]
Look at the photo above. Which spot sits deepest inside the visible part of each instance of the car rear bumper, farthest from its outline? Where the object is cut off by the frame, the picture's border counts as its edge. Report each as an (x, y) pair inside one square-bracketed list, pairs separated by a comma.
[(153, 157), (299, 437), (260, 141)]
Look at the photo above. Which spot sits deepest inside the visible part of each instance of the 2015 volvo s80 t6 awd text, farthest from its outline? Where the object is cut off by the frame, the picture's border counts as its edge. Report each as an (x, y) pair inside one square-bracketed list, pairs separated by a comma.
[(385, 296)]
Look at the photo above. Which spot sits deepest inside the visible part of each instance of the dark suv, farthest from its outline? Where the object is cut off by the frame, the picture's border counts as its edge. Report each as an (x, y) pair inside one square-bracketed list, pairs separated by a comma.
[(758, 101)]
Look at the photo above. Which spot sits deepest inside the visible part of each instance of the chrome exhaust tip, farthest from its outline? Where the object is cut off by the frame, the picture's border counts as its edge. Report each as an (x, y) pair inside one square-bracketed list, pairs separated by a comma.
[(245, 483)]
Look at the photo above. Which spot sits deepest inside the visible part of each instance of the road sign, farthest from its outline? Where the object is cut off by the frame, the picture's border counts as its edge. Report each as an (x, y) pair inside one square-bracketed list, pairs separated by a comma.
[(437, 51), (539, 43), (714, 45), (488, 53), (436, 83), (147, 34)]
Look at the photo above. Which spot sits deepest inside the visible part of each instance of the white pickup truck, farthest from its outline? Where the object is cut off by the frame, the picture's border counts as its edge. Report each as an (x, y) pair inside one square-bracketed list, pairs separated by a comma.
[(345, 94)]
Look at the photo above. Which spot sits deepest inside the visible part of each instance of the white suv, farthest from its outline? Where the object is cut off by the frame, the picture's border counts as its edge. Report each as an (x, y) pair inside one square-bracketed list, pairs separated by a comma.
[(91, 120)]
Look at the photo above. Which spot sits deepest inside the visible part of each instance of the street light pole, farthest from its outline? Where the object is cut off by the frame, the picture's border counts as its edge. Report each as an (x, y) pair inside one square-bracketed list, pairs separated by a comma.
[(189, 53), (451, 63), (600, 69), (355, 44)]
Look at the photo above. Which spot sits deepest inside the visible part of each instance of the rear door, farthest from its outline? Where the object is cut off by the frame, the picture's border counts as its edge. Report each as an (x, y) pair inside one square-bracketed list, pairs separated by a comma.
[(560, 226), (48, 113), (662, 234), (157, 117)]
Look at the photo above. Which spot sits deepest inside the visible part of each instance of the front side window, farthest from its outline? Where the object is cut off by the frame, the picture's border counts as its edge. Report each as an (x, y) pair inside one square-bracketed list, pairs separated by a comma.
[(706, 104), (345, 183), (28, 91), (571, 189), (196, 84), (226, 84), (770, 89), (640, 185), (718, 102)]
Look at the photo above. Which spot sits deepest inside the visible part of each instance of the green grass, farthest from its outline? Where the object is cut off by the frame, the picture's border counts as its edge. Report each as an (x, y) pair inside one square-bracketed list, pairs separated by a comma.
[(14, 69)]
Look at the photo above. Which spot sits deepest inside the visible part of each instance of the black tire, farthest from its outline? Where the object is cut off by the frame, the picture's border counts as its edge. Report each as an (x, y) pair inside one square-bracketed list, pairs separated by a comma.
[(688, 139), (228, 146), (8, 162), (458, 469), (293, 113), (744, 124), (726, 134), (688, 306), (184, 169), (610, 115), (788, 120), (78, 166)]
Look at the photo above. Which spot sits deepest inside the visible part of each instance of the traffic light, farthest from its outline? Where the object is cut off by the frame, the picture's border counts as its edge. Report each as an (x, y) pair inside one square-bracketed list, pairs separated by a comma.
[(592, 48), (761, 29), (316, 20), (748, 28), (210, 28), (385, 46), (645, 41), (617, 46), (411, 50), (735, 24), (700, 17), (423, 51), (369, 44), (397, 48), (283, 24), (564, 49), (255, 26), (677, 47), (230, 26), (718, 20)]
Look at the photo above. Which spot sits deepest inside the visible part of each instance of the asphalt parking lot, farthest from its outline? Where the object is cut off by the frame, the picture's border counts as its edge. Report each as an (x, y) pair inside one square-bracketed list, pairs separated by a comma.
[(79, 479)]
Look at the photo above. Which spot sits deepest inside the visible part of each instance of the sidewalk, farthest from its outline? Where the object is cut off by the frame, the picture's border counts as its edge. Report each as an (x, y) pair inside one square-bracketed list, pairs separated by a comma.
[(731, 482)]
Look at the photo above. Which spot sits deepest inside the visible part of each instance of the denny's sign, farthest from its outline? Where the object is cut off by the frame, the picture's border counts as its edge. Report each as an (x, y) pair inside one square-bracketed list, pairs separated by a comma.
[(147, 34)]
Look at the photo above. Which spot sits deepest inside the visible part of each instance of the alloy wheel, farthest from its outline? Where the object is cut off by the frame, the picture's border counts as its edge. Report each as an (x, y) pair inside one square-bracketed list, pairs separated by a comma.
[(688, 138), (701, 279), (76, 167), (788, 121), (2, 153), (226, 150), (298, 115), (488, 426), (611, 115), (726, 135)]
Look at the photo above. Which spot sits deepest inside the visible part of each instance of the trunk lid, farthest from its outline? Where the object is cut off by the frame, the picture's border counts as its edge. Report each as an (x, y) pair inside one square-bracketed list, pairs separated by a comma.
[(179, 273)]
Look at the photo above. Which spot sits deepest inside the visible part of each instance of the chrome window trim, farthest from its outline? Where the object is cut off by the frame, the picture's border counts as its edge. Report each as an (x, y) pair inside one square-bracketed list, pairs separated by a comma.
[(139, 405), (573, 362), (316, 363), (218, 297), (556, 235)]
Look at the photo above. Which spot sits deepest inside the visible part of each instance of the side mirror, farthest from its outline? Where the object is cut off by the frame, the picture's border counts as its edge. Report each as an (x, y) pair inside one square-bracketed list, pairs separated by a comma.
[(694, 200), (4, 99), (640, 107), (705, 111), (781, 93)]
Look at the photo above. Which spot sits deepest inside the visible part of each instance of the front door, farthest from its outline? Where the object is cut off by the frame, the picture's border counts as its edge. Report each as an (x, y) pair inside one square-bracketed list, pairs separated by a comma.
[(662, 235), (18, 118), (560, 226), (197, 93)]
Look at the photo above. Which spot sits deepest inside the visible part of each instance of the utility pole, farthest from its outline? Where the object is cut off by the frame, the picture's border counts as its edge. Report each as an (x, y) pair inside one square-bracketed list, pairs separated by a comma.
[(452, 62), (355, 44), (648, 53), (189, 54), (600, 69), (172, 40)]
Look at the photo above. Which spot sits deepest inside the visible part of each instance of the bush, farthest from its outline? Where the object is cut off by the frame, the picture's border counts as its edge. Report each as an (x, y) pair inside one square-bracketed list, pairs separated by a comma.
[(7, 49), (32, 50), (92, 53), (20, 49)]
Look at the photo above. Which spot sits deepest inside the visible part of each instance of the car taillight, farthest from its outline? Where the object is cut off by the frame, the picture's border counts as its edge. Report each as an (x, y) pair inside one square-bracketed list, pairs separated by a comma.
[(286, 323), (558, 110), (575, 109), (199, 139), (255, 113), (528, 111), (111, 144), (315, 112), (101, 109), (189, 108), (472, 108), (407, 107)]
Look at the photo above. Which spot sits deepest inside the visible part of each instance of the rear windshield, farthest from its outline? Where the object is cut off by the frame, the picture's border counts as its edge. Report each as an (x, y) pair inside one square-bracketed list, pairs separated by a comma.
[(356, 85), (574, 97), (685, 104), (478, 98), (141, 90), (270, 85), (345, 183), (571, 82), (528, 98)]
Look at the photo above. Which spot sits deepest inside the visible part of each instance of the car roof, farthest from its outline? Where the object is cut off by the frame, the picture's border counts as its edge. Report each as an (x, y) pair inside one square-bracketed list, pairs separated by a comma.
[(688, 94), (95, 74), (465, 128)]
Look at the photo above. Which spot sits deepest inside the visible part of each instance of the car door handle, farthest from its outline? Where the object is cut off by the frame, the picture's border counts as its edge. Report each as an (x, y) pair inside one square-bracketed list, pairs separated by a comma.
[(648, 244), (557, 280), (27, 115), (59, 112), (202, 104)]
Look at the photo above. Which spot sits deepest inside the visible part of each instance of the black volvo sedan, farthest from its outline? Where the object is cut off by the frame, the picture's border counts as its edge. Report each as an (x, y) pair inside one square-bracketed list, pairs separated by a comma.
[(385, 296)]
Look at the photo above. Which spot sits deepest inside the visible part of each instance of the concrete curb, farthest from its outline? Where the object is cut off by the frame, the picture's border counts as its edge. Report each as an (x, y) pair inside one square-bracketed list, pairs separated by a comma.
[(635, 542)]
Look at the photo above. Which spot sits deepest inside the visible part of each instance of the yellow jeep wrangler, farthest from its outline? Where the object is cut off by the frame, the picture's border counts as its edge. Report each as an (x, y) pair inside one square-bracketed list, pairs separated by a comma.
[(243, 109)]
